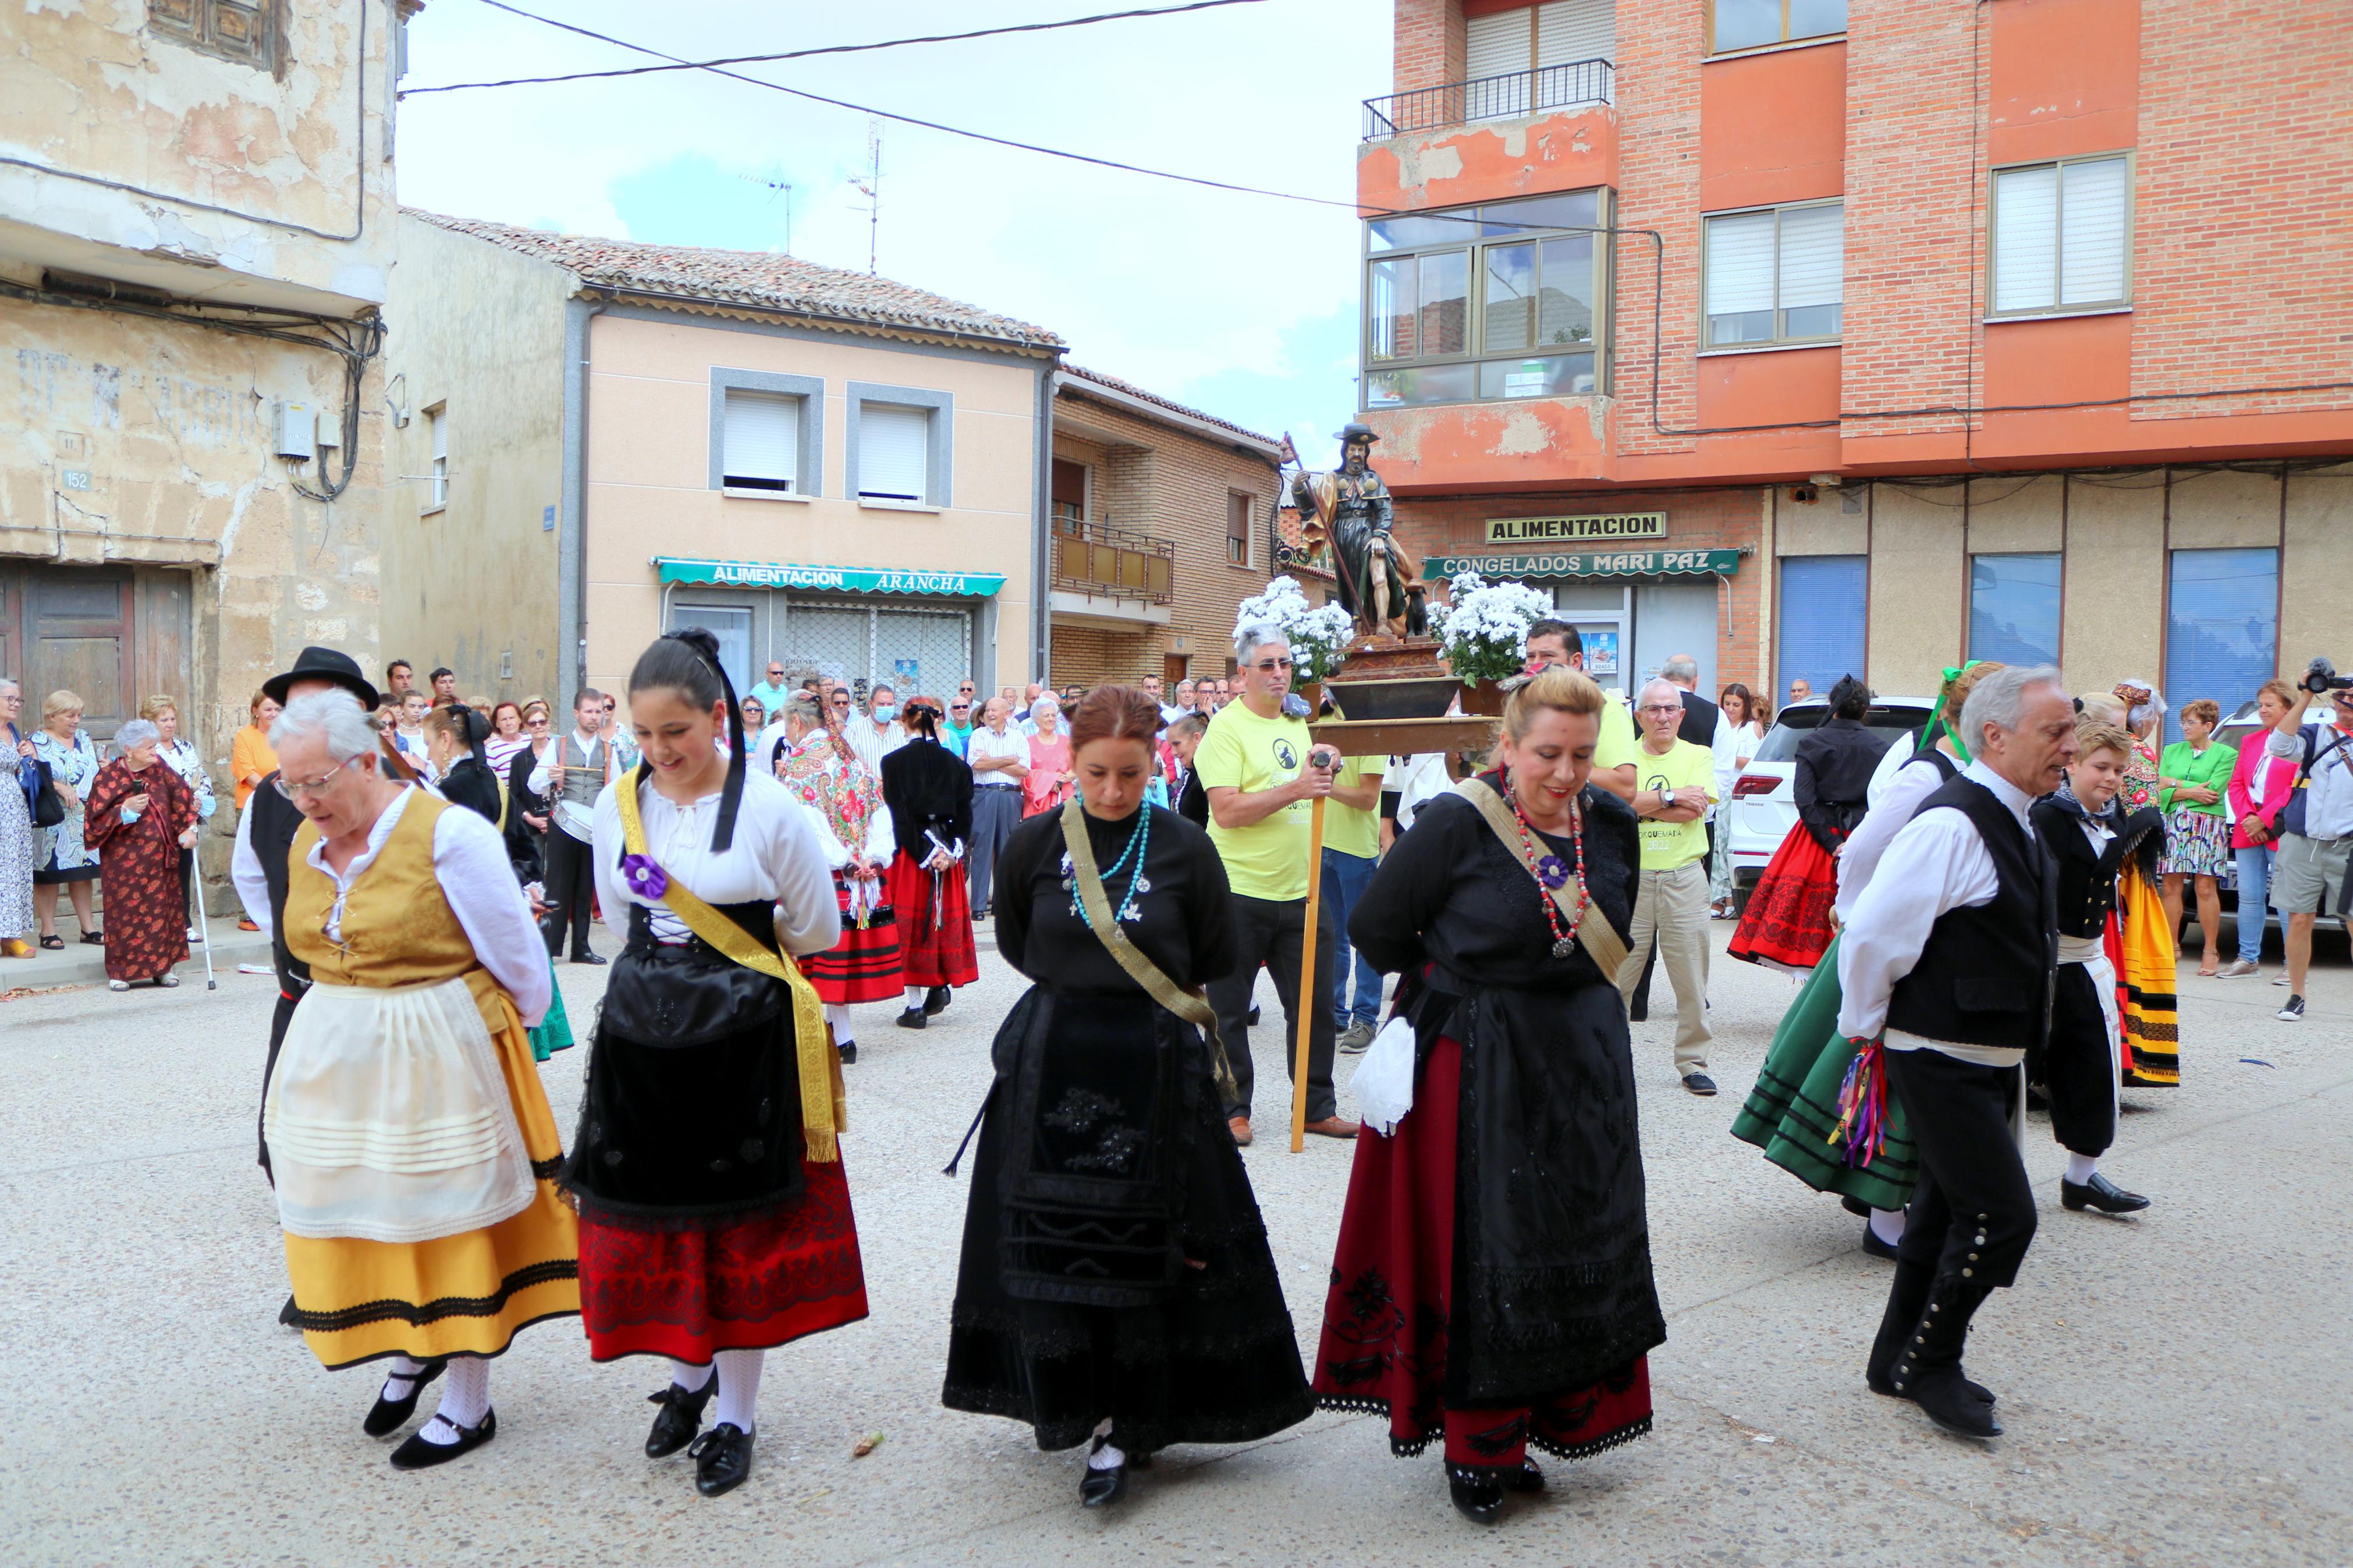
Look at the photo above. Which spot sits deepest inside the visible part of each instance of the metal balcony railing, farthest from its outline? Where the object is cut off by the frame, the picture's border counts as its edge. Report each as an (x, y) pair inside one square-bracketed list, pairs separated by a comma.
[(1097, 558), (1504, 97)]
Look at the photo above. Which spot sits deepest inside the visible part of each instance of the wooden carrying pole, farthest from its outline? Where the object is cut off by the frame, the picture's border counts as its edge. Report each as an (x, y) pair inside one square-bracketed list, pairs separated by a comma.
[(1308, 999)]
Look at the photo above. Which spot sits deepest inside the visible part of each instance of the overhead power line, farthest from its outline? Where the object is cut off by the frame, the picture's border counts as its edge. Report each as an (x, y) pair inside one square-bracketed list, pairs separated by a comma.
[(673, 63)]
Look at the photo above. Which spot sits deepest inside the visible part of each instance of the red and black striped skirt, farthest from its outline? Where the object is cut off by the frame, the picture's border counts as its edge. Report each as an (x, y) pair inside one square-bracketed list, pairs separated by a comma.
[(934, 920), (865, 965)]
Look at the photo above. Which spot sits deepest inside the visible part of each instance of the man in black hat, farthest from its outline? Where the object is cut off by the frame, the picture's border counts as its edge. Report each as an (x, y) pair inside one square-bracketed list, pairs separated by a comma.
[(1348, 513), (265, 836)]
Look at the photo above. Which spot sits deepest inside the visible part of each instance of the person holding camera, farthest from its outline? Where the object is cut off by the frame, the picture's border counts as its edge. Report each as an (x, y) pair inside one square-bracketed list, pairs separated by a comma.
[(2317, 825), (1263, 776)]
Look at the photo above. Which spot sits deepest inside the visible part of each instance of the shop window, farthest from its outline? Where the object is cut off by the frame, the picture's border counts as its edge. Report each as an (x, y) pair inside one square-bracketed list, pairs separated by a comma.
[(1823, 620), (760, 441), (437, 483), (1756, 24), (768, 433), (1776, 276), (251, 35), (2014, 608), (1489, 303), (2222, 627), (1239, 508), (2062, 236), (900, 445)]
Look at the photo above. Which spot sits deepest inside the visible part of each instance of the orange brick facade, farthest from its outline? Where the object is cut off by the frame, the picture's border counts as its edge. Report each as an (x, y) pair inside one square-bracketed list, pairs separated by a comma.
[(1157, 478)]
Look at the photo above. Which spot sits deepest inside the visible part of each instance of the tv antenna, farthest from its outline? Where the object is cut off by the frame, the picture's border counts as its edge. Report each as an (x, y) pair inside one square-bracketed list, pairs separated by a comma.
[(870, 185), (777, 185)]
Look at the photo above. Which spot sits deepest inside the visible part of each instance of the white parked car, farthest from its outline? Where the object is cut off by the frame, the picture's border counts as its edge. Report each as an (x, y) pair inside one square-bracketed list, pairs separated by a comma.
[(1762, 808)]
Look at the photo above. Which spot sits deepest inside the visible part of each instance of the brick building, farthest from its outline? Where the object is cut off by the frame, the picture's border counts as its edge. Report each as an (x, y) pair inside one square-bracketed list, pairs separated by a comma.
[(1885, 334), (1161, 527)]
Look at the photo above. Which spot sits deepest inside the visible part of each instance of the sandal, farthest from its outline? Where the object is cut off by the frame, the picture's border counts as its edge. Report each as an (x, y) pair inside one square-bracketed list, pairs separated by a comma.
[(93, 938), (53, 943), (118, 985)]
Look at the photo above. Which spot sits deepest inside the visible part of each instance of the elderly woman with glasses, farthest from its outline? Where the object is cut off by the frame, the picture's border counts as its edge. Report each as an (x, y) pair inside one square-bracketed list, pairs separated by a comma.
[(62, 856), (141, 816), (1047, 783)]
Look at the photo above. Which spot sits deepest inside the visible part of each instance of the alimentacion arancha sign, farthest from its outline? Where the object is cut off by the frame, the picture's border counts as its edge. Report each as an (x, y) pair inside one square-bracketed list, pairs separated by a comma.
[(1560, 530)]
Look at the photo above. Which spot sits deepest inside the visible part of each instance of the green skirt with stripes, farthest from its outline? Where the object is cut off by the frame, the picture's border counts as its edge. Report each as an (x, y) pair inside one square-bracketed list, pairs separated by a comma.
[(1792, 1114)]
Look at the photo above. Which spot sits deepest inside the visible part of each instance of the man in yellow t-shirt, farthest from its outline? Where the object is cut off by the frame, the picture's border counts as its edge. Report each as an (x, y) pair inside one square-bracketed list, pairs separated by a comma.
[(1255, 762), (1674, 786), (1352, 850), (1556, 642)]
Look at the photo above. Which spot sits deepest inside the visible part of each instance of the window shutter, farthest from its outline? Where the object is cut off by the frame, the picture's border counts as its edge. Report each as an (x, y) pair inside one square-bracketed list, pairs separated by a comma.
[(1739, 263), (1494, 45), (894, 452), (440, 438), (763, 440), (1813, 256), (2092, 213), (1568, 31), (1823, 601), (2025, 239)]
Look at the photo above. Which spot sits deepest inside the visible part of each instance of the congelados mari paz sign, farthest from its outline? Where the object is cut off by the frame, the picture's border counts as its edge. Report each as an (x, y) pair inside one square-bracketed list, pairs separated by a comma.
[(1557, 529)]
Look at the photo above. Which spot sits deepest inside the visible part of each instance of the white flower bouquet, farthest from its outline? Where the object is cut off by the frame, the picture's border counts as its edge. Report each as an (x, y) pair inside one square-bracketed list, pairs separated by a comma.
[(1316, 633), (1484, 628)]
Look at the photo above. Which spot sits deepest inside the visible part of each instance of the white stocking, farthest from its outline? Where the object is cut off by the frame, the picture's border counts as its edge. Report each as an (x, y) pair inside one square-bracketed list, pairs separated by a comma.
[(1887, 1225), (915, 995), (1107, 1455), (465, 1400), (400, 1377), (691, 1378), (739, 1388), (838, 1018)]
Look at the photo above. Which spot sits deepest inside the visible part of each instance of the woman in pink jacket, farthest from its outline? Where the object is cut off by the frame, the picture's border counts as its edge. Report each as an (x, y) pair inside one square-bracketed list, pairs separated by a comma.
[(2260, 787)]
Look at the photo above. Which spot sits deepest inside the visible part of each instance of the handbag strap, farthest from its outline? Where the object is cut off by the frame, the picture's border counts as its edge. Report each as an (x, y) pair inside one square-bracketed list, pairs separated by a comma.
[(822, 1110), (1193, 1006), (1599, 938)]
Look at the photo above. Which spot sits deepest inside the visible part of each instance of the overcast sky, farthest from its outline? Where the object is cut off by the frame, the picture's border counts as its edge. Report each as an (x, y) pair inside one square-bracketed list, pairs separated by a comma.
[(1241, 306)]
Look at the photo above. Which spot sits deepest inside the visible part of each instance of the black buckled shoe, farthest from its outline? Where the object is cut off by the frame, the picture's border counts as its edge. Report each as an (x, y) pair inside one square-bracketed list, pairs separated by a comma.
[(1478, 1494), (1101, 1489), (680, 1417), (389, 1416), (935, 1001), (1907, 1299), (1928, 1368), (848, 1052), (722, 1458), (416, 1454), (2100, 1194), (1874, 1247), (1526, 1479), (912, 1018)]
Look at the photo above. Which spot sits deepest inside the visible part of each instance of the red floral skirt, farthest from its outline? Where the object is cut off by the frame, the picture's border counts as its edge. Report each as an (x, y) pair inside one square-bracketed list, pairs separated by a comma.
[(1384, 1319), (864, 965), (751, 1286), (935, 924), (1787, 922)]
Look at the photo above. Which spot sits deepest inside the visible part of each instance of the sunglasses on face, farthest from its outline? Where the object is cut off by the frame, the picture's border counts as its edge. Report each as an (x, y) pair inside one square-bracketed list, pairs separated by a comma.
[(1269, 665), (959, 707)]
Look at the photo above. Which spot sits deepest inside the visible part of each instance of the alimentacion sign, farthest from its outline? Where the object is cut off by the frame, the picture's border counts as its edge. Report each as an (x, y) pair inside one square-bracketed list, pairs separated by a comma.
[(838, 579), (1566, 530)]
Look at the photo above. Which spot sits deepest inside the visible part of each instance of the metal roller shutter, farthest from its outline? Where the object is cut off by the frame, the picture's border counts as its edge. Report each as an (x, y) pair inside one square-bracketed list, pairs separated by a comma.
[(763, 440), (894, 452)]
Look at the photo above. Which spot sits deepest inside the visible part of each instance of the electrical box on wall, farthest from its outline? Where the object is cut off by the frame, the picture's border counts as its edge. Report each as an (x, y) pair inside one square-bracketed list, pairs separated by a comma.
[(297, 431), (331, 434)]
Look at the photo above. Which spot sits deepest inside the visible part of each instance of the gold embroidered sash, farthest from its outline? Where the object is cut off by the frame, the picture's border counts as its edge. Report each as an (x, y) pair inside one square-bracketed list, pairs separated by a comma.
[(822, 1117)]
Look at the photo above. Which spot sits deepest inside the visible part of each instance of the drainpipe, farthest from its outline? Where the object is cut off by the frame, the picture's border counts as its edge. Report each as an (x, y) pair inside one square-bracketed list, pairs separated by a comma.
[(572, 537), (1041, 548)]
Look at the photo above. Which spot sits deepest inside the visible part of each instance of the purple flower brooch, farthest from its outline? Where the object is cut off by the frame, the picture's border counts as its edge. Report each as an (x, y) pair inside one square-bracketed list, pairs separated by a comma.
[(645, 877), (1552, 871)]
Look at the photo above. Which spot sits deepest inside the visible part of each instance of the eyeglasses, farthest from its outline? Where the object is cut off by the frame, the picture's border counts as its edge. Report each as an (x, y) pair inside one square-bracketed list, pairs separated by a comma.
[(537, 720), (840, 701), (959, 707), (290, 790), (1660, 708), (1269, 665)]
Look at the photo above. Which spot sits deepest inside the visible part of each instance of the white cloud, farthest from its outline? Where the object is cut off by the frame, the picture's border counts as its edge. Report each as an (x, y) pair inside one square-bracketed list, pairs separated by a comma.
[(1197, 294)]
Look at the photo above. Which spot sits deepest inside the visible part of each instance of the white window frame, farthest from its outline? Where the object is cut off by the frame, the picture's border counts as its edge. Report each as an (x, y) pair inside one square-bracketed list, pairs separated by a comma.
[(939, 476), (1781, 338), (2122, 302), (437, 458)]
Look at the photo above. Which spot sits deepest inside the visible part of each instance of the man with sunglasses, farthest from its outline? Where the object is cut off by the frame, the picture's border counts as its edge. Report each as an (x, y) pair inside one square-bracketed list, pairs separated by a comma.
[(771, 690), (1263, 774)]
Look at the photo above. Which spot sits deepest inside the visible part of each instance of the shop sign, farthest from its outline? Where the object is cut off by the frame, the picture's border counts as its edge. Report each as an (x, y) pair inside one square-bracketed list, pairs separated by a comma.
[(1613, 563), (835, 579), (1563, 530)]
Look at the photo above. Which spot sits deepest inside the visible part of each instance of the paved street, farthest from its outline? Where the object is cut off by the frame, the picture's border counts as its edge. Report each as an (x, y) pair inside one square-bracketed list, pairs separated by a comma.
[(2176, 1388)]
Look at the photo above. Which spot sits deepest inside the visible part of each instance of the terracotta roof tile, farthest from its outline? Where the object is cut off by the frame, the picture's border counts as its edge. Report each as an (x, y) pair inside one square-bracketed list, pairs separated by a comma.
[(1080, 372), (751, 278)]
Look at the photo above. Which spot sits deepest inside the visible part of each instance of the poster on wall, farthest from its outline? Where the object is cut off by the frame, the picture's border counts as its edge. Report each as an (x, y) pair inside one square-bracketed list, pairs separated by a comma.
[(903, 671), (1600, 652)]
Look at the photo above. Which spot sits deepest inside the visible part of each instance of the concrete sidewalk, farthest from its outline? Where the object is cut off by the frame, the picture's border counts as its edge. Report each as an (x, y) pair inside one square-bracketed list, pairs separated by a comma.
[(80, 964)]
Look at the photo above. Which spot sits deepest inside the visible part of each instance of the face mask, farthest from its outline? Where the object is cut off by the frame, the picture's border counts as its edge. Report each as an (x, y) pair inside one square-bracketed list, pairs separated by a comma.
[(886, 711)]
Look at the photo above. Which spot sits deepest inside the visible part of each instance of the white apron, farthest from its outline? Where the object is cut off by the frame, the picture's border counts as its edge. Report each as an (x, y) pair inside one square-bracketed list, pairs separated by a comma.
[(388, 1119)]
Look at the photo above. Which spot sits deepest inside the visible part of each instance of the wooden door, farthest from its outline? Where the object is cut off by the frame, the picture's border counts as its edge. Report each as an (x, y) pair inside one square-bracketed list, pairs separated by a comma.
[(1172, 671), (12, 640), (77, 633)]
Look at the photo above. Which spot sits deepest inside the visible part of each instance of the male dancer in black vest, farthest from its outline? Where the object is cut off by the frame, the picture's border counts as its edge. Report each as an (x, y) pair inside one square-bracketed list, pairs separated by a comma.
[(570, 777), (1954, 960), (266, 833)]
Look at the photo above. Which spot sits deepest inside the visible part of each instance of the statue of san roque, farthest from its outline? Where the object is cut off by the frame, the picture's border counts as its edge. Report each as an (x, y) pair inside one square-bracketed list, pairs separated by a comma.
[(1345, 516)]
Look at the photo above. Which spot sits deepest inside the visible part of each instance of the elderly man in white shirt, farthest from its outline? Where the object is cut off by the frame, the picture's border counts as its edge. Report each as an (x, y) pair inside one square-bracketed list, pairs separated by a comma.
[(879, 733), (1955, 961), (998, 755)]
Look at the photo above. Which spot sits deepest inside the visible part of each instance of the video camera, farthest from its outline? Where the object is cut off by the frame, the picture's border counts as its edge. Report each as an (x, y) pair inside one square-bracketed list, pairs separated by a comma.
[(2321, 678)]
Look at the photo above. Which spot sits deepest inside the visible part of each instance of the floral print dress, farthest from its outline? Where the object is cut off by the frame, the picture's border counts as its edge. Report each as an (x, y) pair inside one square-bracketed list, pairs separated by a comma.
[(59, 854)]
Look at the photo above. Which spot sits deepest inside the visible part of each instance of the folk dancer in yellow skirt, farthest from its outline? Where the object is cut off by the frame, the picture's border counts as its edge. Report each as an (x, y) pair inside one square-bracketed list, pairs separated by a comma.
[(408, 1133)]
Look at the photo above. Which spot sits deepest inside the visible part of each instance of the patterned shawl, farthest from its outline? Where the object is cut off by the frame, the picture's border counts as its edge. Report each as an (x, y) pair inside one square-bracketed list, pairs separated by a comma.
[(829, 777)]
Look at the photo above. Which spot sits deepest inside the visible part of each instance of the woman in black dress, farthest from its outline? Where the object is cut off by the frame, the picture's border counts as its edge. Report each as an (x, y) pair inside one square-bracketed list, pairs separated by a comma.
[(1786, 925), (1492, 1285), (1115, 1281)]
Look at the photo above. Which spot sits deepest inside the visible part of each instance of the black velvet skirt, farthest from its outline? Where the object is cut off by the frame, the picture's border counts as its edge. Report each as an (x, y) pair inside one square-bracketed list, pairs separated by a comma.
[(1198, 1346)]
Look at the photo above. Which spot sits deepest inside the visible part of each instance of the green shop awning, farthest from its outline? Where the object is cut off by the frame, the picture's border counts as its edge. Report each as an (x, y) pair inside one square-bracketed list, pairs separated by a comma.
[(838, 579), (1591, 564)]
